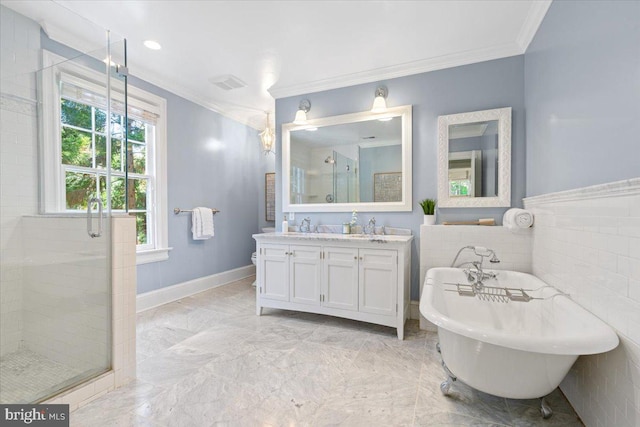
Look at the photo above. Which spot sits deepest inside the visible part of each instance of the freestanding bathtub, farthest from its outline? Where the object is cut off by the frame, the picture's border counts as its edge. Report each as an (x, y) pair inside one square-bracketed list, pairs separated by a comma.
[(512, 349)]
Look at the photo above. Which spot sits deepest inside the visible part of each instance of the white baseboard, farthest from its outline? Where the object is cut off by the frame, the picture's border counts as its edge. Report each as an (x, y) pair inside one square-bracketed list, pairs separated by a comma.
[(178, 291)]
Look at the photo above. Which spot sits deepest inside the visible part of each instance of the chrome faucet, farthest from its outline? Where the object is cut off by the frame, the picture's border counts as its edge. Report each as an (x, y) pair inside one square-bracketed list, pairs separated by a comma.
[(306, 229), (371, 226), (476, 277)]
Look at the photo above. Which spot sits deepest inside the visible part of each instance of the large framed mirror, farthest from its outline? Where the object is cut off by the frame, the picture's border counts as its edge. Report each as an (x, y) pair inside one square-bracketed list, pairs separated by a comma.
[(358, 161), (474, 159)]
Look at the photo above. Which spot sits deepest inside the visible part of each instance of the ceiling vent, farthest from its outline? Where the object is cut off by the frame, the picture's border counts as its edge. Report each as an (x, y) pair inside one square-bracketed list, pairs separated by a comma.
[(227, 82)]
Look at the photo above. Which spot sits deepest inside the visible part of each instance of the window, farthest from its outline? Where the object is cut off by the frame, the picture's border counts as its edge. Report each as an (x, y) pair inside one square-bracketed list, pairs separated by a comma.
[(80, 150)]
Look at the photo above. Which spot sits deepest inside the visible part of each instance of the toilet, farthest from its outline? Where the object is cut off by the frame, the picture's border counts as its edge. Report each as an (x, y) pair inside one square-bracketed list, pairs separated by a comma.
[(253, 255)]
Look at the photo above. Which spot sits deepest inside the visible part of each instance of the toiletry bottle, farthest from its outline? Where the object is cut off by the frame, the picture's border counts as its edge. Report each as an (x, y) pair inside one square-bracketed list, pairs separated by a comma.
[(285, 225)]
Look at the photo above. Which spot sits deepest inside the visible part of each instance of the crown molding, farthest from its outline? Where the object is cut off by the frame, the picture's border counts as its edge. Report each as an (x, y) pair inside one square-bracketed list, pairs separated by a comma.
[(532, 22), (401, 70), (167, 85), (88, 47)]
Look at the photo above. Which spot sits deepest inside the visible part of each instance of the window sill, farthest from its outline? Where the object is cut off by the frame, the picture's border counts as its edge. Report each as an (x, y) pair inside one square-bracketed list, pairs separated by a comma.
[(153, 255)]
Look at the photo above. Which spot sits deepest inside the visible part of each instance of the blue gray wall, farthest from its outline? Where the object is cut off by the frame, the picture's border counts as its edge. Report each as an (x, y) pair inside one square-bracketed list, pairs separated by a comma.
[(211, 161), (486, 85), (582, 90), (375, 160)]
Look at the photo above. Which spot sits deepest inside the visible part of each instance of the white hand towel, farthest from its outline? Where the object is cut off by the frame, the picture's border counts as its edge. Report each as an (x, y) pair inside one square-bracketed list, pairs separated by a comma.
[(515, 219), (202, 223)]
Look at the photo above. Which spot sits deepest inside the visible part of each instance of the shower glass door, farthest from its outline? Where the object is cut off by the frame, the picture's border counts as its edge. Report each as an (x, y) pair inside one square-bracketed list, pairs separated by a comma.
[(345, 179), (63, 172)]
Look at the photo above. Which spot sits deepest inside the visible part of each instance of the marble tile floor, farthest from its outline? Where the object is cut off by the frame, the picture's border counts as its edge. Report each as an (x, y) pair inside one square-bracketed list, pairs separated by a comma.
[(208, 360)]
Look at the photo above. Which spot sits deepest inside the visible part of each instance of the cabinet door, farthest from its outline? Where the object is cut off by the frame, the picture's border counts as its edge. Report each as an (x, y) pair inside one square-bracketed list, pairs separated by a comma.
[(274, 264), (304, 274), (378, 281), (340, 278)]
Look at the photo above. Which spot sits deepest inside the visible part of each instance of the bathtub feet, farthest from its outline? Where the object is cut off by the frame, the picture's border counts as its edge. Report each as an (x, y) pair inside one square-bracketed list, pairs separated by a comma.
[(545, 409), (445, 386)]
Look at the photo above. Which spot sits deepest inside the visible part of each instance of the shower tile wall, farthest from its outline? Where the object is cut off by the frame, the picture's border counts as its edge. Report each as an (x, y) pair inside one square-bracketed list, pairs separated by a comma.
[(67, 296), (591, 249), (19, 58)]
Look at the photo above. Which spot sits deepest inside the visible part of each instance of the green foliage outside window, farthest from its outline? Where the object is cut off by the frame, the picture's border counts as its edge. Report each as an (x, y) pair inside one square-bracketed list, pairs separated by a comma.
[(459, 188), (83, 145)]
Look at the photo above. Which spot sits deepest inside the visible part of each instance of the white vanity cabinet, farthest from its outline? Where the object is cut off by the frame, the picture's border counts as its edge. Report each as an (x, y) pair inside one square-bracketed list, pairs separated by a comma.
[(354, 277), (289, 273), (340, 278), (378, 281)]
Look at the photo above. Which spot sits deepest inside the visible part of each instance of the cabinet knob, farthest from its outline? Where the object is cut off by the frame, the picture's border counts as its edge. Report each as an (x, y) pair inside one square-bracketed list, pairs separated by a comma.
[(360, 258), (355, 257)]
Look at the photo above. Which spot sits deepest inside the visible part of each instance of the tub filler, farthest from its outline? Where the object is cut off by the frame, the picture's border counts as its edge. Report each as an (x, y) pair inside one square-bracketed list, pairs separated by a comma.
[(513, 336)]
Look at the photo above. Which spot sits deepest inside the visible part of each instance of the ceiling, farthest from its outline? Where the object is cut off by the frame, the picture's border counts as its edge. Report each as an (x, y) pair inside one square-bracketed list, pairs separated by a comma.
[(287, 48)]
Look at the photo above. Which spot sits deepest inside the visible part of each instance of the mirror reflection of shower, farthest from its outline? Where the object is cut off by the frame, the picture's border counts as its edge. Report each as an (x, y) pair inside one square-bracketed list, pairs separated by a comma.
[(345, 177)]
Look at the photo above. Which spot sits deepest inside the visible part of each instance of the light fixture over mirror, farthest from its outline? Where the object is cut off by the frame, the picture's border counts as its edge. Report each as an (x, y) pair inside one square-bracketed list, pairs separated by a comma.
[(267, 138), (474, 159), (354, 161), (379, 103), (301, 114)]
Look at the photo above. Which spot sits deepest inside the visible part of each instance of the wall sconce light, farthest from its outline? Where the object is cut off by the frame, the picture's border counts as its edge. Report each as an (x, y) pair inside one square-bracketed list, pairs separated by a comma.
[(267, 138), (301, 114), (379, 103)]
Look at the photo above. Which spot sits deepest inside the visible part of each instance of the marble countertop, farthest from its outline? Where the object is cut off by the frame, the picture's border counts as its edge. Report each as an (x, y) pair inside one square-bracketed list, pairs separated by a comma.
[(334, 237)]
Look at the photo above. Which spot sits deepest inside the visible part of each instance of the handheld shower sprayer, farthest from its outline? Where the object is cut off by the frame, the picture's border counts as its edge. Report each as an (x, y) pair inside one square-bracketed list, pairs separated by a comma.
[(480, 251)]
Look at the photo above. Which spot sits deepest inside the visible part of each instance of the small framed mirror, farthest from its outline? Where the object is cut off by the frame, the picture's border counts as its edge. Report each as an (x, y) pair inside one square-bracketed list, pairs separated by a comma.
[(355, 161), (474, 159)]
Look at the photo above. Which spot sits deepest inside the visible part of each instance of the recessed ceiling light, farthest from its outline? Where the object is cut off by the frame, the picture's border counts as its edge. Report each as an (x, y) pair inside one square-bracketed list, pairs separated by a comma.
[(153, 45)]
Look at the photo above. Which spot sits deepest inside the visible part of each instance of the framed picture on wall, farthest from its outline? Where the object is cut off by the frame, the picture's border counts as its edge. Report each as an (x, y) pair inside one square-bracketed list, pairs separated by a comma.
[(270, 196), (387, 187)]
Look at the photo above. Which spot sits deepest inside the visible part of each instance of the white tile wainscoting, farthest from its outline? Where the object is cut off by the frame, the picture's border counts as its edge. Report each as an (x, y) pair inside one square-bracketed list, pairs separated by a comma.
[(439, 245), (123, 319), (587, 242), (18, 162)]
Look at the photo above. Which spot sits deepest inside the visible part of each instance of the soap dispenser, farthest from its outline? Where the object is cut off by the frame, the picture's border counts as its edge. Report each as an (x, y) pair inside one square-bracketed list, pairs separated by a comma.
[(285, 225)]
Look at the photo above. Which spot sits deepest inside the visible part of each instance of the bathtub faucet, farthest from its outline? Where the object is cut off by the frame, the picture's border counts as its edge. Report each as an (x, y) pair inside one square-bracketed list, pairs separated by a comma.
[(476, 277)]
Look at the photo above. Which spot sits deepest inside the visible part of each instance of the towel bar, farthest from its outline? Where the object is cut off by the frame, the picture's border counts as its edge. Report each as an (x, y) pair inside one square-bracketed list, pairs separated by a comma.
[(178, 210)]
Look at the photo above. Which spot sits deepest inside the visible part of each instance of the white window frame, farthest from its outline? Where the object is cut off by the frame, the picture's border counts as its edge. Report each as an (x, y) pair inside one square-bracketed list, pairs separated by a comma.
[(56, 68)]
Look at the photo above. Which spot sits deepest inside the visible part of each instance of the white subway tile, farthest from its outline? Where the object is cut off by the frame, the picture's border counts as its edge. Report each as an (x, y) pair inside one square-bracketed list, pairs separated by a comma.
[(634, 206), (634, 248), (630, 226), (634, 290), (634, 268)]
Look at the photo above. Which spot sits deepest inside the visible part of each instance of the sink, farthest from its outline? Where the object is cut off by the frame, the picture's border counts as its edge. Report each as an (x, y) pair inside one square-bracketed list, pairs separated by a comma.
[(377, 238)]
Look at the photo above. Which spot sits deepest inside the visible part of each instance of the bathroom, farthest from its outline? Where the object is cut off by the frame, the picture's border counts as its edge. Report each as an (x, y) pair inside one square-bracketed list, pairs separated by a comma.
[(561, 139)]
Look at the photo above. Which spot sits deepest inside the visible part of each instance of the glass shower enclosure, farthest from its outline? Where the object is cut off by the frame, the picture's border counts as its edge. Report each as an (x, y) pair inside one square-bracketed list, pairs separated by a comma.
[(63, 170), (345, 179)]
